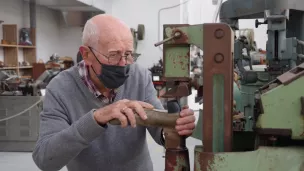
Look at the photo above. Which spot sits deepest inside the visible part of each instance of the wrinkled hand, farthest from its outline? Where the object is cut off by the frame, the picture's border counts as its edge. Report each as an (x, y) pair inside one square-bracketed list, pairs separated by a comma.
[(124, 111), (186, 123)]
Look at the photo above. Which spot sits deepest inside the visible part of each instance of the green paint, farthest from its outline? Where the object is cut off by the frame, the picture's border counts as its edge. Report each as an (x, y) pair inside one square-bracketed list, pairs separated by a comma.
[(247, 96), (181, 163), (198, 129), (194, 33), (176, 58), (177, 62), (237, 97), (218, 113), (169, 32), (262, 159), (282, 108), (197, 151), (197, 133), (196, 36)]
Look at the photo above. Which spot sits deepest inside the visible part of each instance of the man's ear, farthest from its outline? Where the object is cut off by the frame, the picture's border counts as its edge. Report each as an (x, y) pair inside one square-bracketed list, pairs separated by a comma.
[(85, 51)]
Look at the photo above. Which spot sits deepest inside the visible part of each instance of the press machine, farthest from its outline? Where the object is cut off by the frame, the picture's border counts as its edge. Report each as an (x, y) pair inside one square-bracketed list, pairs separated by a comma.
[(272, 99)]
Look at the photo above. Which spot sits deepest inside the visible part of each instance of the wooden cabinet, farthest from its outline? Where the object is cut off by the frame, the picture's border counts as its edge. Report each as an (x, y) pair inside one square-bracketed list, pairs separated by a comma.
[(11, 46)]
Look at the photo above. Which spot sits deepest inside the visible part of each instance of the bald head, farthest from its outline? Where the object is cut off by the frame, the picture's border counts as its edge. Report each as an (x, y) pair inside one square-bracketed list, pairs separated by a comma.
[(107, 33)]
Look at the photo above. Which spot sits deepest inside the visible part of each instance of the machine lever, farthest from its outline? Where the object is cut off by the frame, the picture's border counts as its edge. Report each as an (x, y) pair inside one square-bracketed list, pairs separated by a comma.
[(156, 118), (176, 35), (257, 23)]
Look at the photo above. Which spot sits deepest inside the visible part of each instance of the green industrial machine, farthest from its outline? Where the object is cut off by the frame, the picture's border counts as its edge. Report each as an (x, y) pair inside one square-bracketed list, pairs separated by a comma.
[(270, 135), (218, 85)]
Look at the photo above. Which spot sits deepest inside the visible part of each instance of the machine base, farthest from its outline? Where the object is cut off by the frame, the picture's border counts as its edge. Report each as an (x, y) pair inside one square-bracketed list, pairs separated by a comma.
[(177, 160), (262, 159)]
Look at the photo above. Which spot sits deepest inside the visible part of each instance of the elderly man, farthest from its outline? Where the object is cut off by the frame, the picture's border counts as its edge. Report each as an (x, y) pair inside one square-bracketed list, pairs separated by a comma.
[(80, 101)]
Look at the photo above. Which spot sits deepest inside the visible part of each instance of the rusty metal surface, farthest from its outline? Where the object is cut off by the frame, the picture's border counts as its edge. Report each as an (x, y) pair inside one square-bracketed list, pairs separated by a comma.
[(203, 161), (183, 79), (173, 140), (175, 35), (176, 61), (262, 159), (177, 160), (183, 38), (218, 59), (239, 119), (171, 29), (291, 75), (176, 52), (176, 74), (177, 155), (274, 132), (182, 89)]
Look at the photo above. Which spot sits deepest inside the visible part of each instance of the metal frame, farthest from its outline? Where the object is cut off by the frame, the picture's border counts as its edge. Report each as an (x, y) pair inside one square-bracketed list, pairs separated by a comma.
[(218, 59)]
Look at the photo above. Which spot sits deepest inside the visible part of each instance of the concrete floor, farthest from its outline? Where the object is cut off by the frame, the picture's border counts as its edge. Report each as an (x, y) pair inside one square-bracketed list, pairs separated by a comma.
[(23, 161)]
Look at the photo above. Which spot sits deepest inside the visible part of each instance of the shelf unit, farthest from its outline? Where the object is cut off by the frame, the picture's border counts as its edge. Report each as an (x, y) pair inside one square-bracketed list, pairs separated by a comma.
[(11, 47)]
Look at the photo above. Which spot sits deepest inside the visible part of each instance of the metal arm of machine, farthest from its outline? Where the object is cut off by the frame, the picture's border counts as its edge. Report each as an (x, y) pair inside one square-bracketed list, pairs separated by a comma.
[(175, 36)]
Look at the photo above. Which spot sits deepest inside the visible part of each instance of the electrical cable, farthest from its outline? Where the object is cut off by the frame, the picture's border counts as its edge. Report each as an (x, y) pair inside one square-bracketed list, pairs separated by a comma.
[(22, 112), (158, 20), (216, 13)]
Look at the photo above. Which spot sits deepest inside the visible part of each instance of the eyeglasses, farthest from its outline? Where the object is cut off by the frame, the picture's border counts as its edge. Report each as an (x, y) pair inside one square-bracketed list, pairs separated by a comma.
[(114, 57)]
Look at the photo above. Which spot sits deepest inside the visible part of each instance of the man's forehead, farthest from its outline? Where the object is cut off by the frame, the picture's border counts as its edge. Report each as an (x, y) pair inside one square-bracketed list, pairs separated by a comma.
[(117, 46), (119, 51), (114, 34), (112, 29)]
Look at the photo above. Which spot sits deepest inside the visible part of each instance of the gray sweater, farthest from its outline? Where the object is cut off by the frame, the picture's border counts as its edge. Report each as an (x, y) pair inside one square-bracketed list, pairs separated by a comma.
[(69, 135)]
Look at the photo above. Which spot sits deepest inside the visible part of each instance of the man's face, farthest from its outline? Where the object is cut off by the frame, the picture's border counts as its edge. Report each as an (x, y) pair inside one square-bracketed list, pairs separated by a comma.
[(115, 46), (117, 54)]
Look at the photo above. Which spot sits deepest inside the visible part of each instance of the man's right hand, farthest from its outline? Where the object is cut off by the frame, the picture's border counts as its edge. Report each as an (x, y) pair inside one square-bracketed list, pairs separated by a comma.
[(123, 110)]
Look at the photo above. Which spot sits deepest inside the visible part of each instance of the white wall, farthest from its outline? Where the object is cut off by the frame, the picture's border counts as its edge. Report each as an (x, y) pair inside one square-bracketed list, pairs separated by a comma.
[(11, 12), (70, 41), (135, 12), (47, 33), (52, 37), (105, 5)]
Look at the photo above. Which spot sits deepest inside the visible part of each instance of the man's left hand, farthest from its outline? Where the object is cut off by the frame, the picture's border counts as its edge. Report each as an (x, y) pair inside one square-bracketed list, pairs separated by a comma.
[(186, 123)]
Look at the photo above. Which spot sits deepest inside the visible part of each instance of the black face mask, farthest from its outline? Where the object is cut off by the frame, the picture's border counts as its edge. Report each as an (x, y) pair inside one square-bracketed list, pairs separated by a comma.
[(112, 76)]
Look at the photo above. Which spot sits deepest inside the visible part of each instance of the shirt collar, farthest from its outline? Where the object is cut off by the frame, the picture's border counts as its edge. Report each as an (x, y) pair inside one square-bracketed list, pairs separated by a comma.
[(85, 76)]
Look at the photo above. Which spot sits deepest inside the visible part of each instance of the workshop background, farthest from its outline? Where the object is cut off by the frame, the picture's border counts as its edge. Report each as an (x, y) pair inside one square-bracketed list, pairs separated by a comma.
[(59, 34)]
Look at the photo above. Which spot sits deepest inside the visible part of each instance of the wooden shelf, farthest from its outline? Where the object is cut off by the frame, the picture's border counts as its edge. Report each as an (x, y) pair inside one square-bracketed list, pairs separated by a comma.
[(16, 46), (24, 46), (11, 68), (11, 50), (3, 45)]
